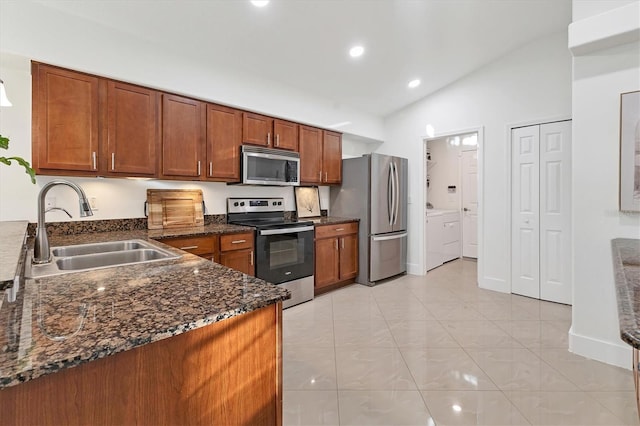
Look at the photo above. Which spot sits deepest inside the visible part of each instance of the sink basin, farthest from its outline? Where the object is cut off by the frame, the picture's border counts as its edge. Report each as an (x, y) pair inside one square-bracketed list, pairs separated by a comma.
[(88, 257), (99, 248)]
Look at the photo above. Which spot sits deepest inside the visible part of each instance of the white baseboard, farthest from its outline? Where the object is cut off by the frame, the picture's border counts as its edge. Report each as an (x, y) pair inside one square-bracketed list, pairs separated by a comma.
[(414, 269), (600, 350), (495, 284)]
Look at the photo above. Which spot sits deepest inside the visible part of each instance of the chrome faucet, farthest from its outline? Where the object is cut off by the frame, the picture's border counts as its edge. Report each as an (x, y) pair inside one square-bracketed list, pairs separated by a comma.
[(41, 252)]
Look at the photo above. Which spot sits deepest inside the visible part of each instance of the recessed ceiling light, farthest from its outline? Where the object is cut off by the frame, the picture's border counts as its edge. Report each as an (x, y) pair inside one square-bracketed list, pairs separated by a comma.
[(259, 3), (414, 83), (356, 51)]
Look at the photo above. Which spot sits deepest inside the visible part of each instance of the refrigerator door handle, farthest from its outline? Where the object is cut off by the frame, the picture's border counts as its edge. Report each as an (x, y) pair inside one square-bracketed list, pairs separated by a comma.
[(390, 199), (389, 237), (394, 193), (397, 186)]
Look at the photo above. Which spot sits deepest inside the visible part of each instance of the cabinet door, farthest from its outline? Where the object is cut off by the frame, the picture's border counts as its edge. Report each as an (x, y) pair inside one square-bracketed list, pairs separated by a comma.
[(240, 260), (65, 120), (256, 129), (348, 257), (224, 137), (331, 157), (310, 154), (132, 130), (183, 131), (327, 261), (285, 135)]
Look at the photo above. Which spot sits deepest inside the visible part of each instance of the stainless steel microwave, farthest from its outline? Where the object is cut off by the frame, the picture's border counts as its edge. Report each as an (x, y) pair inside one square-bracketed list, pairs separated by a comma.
[(264, 166)]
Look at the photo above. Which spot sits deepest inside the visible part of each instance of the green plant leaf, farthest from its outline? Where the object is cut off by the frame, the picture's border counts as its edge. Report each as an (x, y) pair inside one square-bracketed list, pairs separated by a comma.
[(24, 163), (4, 142)]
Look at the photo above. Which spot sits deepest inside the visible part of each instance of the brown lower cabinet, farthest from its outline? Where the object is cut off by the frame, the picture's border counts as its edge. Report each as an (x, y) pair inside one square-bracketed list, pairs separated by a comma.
[(336, 255), (233, 250), (226, 373)]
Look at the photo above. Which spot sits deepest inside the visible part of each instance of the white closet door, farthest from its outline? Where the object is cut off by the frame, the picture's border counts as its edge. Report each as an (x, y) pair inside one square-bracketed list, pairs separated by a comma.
[(525, 219), (470, 203), (555, 212)]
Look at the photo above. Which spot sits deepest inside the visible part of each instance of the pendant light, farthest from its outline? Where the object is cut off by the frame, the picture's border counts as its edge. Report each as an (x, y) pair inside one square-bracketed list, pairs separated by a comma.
[(4, 101)]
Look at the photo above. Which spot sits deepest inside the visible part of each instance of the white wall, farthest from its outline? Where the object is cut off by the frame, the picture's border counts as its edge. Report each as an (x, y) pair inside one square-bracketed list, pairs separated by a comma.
[(598, 79), (533, 82)]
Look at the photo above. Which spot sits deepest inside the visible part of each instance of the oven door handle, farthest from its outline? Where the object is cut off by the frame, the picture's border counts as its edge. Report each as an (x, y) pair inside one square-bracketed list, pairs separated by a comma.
[(286, 230)]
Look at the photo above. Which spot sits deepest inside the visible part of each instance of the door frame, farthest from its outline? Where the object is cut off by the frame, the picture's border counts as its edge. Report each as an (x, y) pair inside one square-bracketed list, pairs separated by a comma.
[(509, 151), (479, 130)]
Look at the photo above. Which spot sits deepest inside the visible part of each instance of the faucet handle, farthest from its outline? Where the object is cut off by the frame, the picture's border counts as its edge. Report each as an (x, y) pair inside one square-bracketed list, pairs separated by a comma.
[(58, 208)]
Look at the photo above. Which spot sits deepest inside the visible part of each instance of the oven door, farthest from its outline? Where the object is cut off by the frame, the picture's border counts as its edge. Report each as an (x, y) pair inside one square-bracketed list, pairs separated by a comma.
[(284, 254)]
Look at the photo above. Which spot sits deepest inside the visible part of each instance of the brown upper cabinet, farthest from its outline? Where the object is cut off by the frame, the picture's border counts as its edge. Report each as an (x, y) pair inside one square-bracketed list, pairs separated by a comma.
[(183, 133), (224, 138), (87, 126), (286, 135), (132, 130), (65, 121), (320, 156), (269, 132)]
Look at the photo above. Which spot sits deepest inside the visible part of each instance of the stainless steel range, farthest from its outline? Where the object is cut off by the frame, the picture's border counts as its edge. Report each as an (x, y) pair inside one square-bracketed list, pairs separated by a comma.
[(284, 248)]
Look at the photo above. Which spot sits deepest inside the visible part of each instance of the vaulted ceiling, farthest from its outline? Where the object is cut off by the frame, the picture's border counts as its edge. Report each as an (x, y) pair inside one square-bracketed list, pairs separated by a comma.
[(305, 43)]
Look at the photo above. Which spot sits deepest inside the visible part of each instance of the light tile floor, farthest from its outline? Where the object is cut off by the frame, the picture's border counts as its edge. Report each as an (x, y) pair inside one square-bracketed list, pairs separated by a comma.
[(438, 350)]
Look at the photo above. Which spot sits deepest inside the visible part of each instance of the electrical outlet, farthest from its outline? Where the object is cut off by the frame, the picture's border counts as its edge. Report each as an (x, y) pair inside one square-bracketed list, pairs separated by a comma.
[(93, 202), (49, 203)]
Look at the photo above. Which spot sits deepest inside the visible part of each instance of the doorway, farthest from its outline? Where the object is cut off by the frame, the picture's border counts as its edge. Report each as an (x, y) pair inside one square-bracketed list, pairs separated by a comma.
[(452, 182)]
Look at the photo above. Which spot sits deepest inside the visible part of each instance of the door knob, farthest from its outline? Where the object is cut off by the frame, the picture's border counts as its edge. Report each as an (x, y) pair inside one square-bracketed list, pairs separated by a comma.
[(465, 209)]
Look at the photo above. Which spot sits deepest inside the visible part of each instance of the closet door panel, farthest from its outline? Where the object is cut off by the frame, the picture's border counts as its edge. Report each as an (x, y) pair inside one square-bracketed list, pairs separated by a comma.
[(525, 278), (555, 211)]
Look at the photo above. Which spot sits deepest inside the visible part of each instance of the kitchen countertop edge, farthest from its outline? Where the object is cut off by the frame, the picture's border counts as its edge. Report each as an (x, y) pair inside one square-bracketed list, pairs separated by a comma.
[(626, 266)]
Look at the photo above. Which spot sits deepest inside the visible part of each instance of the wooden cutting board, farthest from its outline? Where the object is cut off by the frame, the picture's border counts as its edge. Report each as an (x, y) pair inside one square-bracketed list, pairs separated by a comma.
[(174, 208)]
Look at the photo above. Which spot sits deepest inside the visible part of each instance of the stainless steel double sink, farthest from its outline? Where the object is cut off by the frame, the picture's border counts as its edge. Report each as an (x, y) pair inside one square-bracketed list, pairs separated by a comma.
[(87, 257)]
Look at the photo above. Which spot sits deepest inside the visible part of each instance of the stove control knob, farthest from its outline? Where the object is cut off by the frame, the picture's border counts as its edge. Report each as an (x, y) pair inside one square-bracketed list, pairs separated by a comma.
[(235, 204), (242, 203), (279, 203), (273, 203)]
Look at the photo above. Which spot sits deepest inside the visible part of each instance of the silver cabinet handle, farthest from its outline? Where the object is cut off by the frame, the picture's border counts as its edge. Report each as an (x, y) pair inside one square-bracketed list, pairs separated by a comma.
[(320, 176), (251, 257), (188, 248), (339, 229), (210, 168), (238, 241), (278, 139), (113, 161), (198, 167), (268, 138), (335, 243), (325, 176), (342, 240), (93, 158)]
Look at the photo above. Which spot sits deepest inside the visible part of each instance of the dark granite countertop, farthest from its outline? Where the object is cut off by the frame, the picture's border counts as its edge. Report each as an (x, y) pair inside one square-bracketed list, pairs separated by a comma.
[(13, 236), (333, 220), (62, 321), (626, 267), (211, 229)]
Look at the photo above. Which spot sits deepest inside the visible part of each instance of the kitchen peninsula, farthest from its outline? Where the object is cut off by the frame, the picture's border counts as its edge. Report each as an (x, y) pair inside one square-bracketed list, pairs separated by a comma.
[(182, 341)]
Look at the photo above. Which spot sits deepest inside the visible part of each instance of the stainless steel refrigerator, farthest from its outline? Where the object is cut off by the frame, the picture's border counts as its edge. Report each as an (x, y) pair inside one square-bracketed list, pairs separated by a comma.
[(374, 189)]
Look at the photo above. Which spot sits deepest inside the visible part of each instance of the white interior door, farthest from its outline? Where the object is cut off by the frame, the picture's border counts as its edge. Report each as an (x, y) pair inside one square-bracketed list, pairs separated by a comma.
[(555, 212), (470, 203), (525, 216)]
